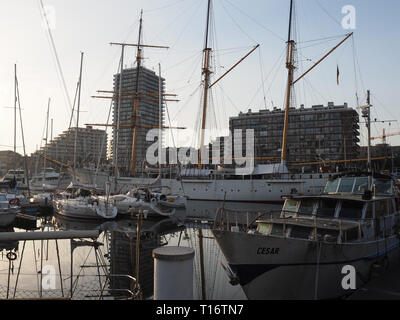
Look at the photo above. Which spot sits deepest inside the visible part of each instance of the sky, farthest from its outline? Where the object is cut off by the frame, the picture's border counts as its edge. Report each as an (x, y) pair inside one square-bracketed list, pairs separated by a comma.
[(368, 60)]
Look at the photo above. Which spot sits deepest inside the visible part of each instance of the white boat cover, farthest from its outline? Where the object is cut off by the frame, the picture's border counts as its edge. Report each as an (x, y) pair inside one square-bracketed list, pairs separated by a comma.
[(270, 168)]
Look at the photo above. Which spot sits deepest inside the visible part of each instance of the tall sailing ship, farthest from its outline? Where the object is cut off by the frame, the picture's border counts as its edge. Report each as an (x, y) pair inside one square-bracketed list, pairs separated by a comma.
[(267, 183)]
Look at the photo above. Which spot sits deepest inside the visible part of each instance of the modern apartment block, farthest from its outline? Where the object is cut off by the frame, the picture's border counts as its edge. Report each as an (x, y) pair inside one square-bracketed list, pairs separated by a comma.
[(318, 133), (91, 144), (148, 115)]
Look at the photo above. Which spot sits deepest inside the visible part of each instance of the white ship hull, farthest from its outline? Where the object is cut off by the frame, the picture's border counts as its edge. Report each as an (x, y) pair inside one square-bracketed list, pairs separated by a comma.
[(269, 191), (299, 269)]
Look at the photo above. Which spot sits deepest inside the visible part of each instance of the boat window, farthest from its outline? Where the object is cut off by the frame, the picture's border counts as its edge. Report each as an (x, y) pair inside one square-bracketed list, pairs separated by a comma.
[(383, 186), (3, 197), (361, 185), (277, 230), (351, 234), (346, 185), (264, 228), (331, 186), (351, 209), (326, 208), (300, 232), (290, 206), (306, 206)]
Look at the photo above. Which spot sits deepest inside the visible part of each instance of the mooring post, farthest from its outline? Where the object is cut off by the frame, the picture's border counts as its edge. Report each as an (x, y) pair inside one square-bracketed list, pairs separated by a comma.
[(173, 273)]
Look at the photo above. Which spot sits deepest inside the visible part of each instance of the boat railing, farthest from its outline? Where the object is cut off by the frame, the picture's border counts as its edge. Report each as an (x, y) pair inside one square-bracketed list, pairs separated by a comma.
[(245, 221)]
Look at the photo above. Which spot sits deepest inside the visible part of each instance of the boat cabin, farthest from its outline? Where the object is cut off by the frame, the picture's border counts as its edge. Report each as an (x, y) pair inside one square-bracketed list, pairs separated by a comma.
[(345, 212)]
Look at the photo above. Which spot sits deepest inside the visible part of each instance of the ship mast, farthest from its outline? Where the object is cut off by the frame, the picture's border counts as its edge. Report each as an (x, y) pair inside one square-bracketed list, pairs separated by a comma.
[(290, 66), (136, 97), (206, 82)]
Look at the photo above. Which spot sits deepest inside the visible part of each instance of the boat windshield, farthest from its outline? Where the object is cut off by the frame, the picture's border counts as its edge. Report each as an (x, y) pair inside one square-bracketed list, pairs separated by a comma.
[(383, 187), (290, 207), (357, 185), (306, 206)]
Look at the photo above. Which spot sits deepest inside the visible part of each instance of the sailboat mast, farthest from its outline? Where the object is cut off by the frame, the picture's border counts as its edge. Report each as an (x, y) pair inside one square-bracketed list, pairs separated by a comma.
[(369, 131), (290, 67), (136, 98), (77, 116), (116, 172), (45, 142), (159, 119), (206, 73), (15, 115)]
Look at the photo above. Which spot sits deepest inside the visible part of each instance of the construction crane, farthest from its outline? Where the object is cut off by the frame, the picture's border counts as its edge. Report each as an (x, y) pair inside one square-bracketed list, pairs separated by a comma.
[(384, 136)]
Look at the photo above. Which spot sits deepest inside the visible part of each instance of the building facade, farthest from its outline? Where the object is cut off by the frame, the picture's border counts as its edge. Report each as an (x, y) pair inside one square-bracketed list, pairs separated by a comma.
[(149, 116), (319, 133), (91, 145)]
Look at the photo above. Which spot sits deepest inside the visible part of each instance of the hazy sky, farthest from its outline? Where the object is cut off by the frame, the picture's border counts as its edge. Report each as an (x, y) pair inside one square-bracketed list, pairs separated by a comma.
[(90, 25)]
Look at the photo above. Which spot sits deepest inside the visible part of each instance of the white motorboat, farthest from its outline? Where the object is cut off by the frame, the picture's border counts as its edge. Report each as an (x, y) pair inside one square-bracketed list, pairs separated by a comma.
[(81, 201), (49, 180), (15, 176), (8, 211), (301, 254), (42, 199), (85, 208), (139, 199)]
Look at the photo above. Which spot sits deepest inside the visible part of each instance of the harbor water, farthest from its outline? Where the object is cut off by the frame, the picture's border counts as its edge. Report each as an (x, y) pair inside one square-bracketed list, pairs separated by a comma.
[(89, 269)]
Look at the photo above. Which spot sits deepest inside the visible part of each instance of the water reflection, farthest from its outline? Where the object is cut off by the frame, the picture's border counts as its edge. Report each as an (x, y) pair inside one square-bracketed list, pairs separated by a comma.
[(82, 268)]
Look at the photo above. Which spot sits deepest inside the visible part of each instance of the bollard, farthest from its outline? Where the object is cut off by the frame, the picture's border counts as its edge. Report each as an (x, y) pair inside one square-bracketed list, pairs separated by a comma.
[(173, 273)]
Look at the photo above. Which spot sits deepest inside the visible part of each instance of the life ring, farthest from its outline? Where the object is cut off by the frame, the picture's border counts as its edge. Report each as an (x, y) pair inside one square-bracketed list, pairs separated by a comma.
[(153, 200), (11, 256), (14, 201)]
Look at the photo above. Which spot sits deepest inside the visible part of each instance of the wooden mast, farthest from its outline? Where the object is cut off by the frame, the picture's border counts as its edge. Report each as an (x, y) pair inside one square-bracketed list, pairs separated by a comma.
[(290, 66), (136, 98), (136, 95), (206, 73), (116, 172)]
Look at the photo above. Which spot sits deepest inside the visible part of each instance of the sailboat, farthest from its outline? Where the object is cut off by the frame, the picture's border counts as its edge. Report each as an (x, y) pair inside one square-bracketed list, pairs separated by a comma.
[(125, 181), (266, 184), (17, 178), (85, 204)]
